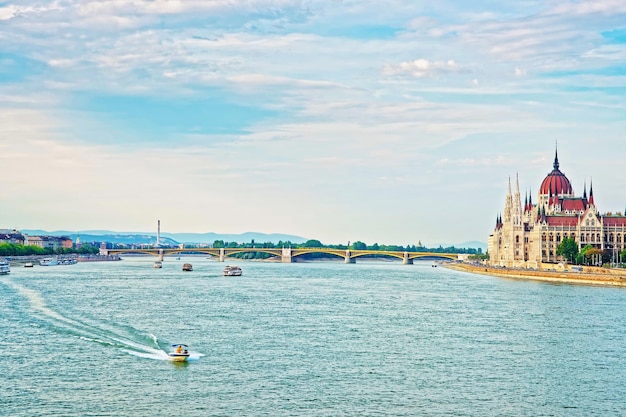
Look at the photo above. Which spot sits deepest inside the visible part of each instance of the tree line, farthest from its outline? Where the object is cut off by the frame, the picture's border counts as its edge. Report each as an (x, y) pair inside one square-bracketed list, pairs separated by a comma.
[(588, 255), (14, 249)]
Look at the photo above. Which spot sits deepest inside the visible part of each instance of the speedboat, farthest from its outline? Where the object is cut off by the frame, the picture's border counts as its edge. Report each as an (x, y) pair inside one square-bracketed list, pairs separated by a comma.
[(232, 271), (187, 267), (28, 265), (180, 352), (4, 268), (48, 261), (157, 264)]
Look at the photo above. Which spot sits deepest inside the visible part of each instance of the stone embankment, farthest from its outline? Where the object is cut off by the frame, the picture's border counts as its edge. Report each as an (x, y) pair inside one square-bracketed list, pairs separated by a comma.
[(588, 276)]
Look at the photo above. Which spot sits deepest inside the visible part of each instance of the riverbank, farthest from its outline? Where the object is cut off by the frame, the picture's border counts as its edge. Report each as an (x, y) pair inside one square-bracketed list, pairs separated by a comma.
[(590, 276)]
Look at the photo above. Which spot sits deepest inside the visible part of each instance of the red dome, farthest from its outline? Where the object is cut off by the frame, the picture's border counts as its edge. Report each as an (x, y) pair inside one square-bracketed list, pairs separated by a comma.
[(556, 182)]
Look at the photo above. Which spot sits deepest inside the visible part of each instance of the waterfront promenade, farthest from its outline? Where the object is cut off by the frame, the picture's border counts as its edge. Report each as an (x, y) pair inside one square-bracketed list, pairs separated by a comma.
[(588, 276)]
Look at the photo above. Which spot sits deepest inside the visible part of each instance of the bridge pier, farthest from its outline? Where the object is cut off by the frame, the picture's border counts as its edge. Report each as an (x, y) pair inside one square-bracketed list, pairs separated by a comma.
[(161, 255), (406, 260), (222, 255), (285, 256), (348, 259)]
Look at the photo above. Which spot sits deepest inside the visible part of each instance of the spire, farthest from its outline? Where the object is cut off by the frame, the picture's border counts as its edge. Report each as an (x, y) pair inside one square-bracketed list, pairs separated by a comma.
[(591, 202), (526, 202), (556, 158), (585, 190)]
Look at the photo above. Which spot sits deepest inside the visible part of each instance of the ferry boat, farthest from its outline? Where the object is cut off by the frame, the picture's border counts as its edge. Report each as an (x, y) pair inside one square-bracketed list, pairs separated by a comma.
[(180, 352), (48, 262), (4, 268), (157, 264), (232, 271), (187, 267)]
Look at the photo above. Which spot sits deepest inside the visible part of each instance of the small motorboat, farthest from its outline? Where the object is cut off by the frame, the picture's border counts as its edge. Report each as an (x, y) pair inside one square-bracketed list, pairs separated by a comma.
[(157, 264), (187, 267), (28, 265), (180, 352), (232, 271)]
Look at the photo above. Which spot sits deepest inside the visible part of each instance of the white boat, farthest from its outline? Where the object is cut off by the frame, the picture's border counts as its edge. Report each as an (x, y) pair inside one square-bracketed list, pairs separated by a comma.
[(232, 271), (4, 268), (67, 261), (157, 264), (180, 352), (187, 267), (28, 265), (48, 262)]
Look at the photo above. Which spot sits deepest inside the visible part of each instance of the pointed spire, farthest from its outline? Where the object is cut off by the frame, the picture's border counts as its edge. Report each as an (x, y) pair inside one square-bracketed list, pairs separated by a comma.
[(509, 190), (556, 158), (525, 202), (585, 190), (591, 193)]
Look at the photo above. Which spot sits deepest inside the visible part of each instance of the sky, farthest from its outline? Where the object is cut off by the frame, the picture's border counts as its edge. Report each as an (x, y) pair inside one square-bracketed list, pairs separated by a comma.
[(384, 121)]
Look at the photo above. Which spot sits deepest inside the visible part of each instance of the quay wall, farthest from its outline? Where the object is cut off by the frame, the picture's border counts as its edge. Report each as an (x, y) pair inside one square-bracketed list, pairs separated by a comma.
[(588, 276)]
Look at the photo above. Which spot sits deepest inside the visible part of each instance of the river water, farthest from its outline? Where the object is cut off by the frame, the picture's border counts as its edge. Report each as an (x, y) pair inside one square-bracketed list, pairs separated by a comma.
[(306, 339)]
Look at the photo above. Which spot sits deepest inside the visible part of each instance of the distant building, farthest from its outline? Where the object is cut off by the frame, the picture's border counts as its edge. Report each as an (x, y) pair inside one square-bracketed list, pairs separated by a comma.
[(526, 235), (11, 236), (52, 242)]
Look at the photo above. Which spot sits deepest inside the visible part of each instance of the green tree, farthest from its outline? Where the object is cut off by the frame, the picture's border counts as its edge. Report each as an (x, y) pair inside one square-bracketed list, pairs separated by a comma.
[(358, 245), (313, 243), (568, 249)]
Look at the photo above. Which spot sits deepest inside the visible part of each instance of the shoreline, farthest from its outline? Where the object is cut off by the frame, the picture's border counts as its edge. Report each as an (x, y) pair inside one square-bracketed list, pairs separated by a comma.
[(601, 277)]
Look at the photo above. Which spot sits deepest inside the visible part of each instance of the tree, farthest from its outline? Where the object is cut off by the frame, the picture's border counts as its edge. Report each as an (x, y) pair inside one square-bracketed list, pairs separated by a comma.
[(313, 243), (358, 245), (568, 249)]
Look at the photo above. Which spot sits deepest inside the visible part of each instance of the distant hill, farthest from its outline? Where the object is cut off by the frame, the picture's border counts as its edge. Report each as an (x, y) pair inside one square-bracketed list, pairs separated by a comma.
[(166, 238)]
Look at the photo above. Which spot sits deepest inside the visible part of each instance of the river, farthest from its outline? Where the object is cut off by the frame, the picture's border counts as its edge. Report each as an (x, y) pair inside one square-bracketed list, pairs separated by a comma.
[(305, 339)]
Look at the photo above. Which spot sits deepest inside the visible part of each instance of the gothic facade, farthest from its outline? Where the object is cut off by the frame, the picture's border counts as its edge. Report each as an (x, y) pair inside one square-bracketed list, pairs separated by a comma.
[(529, 234)]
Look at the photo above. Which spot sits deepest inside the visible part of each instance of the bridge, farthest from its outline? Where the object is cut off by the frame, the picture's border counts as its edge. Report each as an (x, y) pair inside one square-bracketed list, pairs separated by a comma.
[(286, 255)]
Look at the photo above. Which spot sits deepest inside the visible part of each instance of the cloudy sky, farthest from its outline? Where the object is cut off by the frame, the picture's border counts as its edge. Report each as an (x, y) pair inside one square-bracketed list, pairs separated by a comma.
[(383, 121)]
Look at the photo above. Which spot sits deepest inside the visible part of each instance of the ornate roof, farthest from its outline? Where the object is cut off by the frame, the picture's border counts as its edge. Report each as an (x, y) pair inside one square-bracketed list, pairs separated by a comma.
[(556, 183)]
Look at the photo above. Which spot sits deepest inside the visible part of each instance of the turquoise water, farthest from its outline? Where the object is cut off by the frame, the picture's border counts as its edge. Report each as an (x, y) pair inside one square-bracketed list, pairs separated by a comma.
[(314, 339)]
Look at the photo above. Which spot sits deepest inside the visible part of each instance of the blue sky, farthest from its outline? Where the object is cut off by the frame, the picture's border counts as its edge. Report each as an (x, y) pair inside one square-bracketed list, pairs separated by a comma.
[(380, 121)]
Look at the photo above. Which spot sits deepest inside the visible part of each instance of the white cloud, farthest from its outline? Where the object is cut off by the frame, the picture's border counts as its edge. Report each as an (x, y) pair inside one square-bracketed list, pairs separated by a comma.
[(420, 68)]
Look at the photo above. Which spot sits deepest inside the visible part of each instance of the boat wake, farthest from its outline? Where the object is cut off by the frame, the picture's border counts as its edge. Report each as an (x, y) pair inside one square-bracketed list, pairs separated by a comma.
[(122, 338)]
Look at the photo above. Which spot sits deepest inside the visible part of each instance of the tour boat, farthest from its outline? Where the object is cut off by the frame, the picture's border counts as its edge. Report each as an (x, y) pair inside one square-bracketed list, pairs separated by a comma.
[(180, 352), (4, 268), (48, 262), (187, 267), (232, 271), (157, 264)]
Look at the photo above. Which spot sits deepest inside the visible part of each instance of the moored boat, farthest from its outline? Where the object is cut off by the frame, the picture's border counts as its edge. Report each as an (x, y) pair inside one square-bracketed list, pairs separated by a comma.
[(187, 267), (180, 352), (5, 268), (48, 262), (157, 264), (232, 271)]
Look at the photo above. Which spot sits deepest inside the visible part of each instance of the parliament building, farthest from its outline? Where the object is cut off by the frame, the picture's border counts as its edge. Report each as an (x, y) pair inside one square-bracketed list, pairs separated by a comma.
[(529, 234)]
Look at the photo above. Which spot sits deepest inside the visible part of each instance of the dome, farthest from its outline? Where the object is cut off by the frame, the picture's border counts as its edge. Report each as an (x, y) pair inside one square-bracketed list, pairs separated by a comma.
[(556, 183)]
